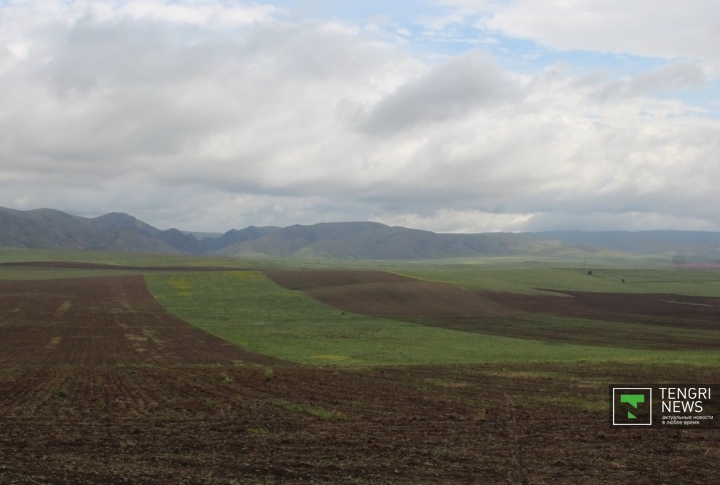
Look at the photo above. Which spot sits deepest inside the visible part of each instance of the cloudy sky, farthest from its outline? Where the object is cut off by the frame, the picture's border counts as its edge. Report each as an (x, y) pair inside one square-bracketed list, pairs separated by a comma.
[(447, 115)]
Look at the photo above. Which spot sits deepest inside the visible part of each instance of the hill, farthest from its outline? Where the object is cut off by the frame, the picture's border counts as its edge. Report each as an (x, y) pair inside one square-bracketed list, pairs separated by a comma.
[(52, 229), (371, 240)]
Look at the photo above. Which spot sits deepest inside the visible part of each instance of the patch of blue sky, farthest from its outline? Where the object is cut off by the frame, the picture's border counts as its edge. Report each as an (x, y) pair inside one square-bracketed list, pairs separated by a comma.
[(619, 65), (707, 99), (413, 21), (526, 57), (453, 39), (397, 11)]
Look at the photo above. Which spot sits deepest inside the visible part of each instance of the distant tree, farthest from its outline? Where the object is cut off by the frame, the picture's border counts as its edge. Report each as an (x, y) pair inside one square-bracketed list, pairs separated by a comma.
[(590, 272)]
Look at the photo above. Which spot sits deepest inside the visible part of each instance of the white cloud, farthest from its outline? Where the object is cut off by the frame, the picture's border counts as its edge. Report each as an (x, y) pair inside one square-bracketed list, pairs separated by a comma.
[(163, 111), (447, 91), (340, 28), (669, 77), (460, 221), (196, 12), (688, 29)]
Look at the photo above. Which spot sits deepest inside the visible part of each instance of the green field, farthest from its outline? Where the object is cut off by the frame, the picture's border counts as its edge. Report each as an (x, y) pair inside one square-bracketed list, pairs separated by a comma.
[(248, 309)]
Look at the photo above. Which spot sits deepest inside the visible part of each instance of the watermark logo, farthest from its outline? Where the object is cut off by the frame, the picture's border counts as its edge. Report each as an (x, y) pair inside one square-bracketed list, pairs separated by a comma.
[(633, 399), (631, 406), (665, 406)]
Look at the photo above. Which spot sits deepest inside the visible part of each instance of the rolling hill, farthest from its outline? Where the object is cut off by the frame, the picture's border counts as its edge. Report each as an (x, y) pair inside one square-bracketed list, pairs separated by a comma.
[(53, 229), (371, 240)]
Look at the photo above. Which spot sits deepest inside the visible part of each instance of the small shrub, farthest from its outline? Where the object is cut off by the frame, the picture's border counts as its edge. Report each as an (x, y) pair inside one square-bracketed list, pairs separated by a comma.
[(225, 378), (269, 375)]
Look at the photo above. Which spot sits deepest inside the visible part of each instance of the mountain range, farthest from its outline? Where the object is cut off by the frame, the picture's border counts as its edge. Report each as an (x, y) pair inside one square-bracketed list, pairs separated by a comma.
[(53, 229)]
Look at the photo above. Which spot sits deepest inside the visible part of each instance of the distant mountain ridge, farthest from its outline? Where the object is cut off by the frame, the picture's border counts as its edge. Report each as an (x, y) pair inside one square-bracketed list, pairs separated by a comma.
[(53, 229)]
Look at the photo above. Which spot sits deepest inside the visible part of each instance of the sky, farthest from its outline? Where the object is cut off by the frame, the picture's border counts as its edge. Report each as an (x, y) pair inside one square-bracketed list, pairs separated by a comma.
[(444, 115)]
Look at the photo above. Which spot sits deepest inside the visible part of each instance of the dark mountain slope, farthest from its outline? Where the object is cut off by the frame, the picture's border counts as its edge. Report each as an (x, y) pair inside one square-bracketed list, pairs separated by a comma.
[(47, 229), (116, 231), (22, 232)]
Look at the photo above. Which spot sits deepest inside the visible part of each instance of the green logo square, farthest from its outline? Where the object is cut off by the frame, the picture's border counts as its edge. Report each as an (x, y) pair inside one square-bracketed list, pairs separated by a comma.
[(631, 406)]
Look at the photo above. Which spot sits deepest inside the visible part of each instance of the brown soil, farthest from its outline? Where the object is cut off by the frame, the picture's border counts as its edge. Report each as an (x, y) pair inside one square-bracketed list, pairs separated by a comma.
[(102, 320), (389, 295), (182, 407), (648, 308), (307, 280), (545, 424)]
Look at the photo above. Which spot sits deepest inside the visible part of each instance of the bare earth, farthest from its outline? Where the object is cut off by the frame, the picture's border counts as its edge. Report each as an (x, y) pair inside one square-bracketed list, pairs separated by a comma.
[(98, 385)]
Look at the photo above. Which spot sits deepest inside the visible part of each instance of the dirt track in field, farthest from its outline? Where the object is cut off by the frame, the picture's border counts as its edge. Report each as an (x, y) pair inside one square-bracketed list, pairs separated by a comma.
[(101, 321), (666, 318)]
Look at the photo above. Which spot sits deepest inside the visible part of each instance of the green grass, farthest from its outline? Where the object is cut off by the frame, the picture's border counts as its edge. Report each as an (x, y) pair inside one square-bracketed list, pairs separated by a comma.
[(249, 310)]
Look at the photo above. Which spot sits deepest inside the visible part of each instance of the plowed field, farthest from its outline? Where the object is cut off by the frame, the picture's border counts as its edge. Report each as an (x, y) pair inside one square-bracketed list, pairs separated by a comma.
[(99, 385), (420, 425), (390, 295), (650, 308), (103, 320)]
